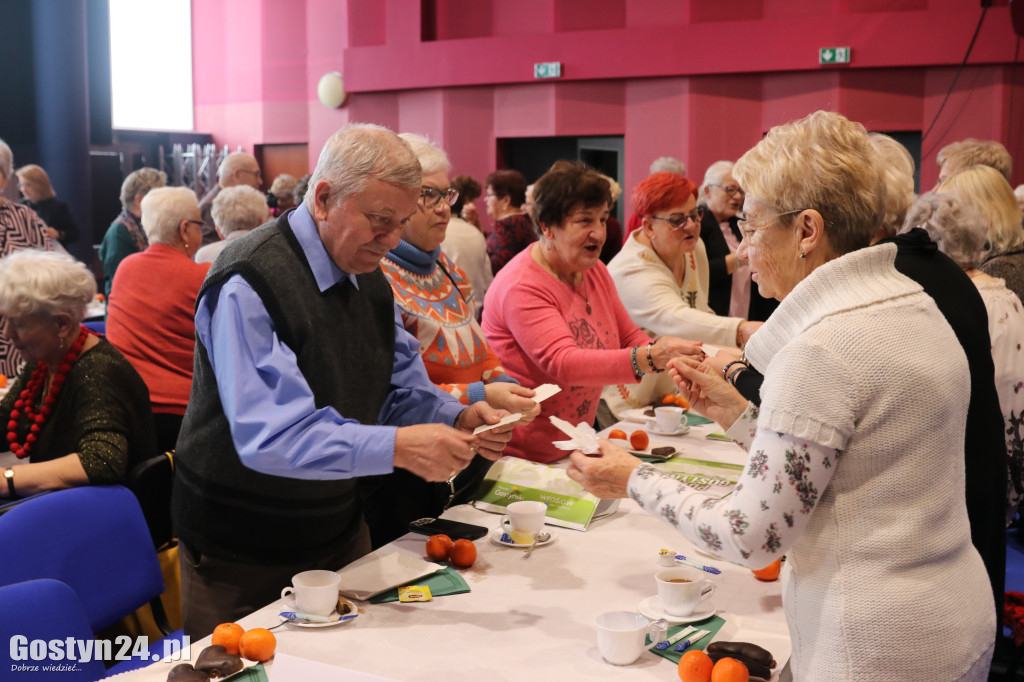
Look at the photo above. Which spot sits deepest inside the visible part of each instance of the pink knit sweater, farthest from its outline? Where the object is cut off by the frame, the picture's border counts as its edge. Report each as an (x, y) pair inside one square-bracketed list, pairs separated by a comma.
[(542, 333)]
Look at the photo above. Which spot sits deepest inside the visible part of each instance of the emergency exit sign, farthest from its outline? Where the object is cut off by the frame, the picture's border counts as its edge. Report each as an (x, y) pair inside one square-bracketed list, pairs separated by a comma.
[(547, 70), (834, 55)]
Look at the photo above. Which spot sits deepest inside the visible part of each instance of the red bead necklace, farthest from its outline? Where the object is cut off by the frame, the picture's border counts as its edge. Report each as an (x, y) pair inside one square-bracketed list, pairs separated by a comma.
[(27, 400)]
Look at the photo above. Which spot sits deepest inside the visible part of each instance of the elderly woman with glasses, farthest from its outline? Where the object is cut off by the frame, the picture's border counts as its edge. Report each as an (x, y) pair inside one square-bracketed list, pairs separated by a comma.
[(151, 310), (856, 468), (436, 301), (731, 291), (553, 316), (77, 414)]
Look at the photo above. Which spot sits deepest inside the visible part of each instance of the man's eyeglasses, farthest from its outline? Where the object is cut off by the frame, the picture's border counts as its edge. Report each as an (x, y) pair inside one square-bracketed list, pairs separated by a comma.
[(678, 220), (749, 227), (255, 173), (731, 190), (431, 196)]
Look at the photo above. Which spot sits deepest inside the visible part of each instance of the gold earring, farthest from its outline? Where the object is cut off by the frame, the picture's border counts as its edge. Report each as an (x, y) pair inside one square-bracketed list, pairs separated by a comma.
[(802, 254)]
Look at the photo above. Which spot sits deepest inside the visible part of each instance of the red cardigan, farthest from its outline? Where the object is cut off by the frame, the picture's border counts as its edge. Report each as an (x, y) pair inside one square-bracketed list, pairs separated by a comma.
[(151, 320)]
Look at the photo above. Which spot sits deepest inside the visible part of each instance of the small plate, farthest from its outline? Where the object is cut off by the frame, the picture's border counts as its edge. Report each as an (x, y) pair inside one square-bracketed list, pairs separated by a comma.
[(496, 534), (651, 607), (289, 603), (681, 431)]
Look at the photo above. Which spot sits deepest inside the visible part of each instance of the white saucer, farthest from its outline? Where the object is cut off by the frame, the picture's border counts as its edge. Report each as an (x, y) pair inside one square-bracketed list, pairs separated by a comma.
[(681, 431), (496, 534), (289, 605), (651, 607)]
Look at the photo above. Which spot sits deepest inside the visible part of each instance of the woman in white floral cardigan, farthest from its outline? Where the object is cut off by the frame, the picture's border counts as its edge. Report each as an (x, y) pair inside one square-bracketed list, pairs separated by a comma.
[(856, 467)]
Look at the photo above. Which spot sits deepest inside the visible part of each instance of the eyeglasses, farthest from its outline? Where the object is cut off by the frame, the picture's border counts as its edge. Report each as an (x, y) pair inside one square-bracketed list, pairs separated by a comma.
[(678, 220), (732, 190), (431, 196), (197, 223), (749, 227), (256, 173)]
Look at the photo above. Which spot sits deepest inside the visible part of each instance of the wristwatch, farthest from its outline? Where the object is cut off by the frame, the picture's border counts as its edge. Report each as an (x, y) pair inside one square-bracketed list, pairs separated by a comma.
[(9, 475)]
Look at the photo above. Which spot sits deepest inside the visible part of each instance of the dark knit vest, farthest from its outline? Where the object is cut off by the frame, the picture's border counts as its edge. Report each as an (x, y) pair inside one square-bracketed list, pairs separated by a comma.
[(344, 342)]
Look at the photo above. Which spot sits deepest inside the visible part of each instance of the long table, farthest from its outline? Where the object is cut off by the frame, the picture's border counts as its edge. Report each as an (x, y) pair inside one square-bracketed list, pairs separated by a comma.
[(529, 619)]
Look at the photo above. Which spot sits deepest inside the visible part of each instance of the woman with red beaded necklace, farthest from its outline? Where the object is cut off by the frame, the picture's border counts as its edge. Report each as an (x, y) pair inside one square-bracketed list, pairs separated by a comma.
[(77, 414)]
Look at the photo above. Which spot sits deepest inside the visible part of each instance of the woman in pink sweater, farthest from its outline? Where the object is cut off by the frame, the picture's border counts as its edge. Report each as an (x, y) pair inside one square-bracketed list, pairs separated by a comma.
[(552, 314)]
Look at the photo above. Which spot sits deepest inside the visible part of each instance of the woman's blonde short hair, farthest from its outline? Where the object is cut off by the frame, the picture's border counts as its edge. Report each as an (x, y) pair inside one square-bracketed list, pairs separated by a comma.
[(163, 209), (898, 166), (432, 158), (283, 186), (140, 182), (823, 161), (6, 160), (44, 283), (238, 208), (953, 224), (987, 190), (34, 175)]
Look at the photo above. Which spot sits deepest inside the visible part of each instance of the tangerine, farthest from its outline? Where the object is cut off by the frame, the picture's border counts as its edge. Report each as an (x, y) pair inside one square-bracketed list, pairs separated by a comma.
[(639, 440), (617, 433), (682, 402), (769, 572), (695, 666), (257, 644), (730, 670), (668, 399), (463, 553), (438, 547), (227, 635)]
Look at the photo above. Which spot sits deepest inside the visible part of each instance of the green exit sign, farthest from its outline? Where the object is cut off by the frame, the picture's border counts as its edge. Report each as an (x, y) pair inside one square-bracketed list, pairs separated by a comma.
[(547, 70), (834, 55)]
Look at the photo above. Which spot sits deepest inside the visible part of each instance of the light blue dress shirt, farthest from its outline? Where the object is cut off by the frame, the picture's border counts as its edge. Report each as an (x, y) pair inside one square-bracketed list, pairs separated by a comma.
[(275, 424)]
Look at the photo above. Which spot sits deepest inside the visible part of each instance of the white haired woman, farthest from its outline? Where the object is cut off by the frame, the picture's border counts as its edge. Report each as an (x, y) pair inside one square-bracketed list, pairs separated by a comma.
[(856, 469), (236, 211), (77, 414), (125, 235), (21, 228), (731, 293), (151, 310), (985, 188), (961, 234), (436, 300)]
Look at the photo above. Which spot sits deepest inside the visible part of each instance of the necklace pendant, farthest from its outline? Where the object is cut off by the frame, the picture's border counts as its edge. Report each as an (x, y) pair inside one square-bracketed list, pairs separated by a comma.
[(588, 307)]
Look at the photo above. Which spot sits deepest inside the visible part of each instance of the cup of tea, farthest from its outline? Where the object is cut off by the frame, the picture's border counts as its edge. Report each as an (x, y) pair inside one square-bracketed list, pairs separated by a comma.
[(315, 592), (524, 520), (620, 635), (668, 419), (682, 589)]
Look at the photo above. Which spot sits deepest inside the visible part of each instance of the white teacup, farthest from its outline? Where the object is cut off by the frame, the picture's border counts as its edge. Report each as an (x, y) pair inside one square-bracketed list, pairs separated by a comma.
[(620, 636), (524, 520), (315, 592), (668, 419), (681, 590)]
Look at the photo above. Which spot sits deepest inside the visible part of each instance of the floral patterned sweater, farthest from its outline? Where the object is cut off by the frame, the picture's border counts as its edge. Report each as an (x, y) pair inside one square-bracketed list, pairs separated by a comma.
[(856, 473)]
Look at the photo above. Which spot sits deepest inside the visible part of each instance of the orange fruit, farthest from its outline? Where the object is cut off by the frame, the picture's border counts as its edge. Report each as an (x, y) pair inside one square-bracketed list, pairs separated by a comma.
[(3, 384), (257, 644), (438, 547), (463, 553), (769, 572), (227, 635), (617, 433), (695, 666), (668, 399), (682, 402), (639, 440), (729, 670)]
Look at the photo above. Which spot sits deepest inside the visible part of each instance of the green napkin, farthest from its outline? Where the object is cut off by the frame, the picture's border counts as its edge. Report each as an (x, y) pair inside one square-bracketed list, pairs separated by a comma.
[(444, 582), (714, 624), (694, 419), (255, 673)]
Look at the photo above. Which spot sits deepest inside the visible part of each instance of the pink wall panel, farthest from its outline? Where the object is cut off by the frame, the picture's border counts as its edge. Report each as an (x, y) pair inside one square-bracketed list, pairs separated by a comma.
[(237, 125), (657, 111), (285, 122), (715, 10), (463, 19), (590, 108), (780, 9), (790, 96), (523, 17), (525, 110), (884, 99), (589, 15), (647, 13), (469, 130), (421, 112), (366, 24), (283, 44), (725, 121)]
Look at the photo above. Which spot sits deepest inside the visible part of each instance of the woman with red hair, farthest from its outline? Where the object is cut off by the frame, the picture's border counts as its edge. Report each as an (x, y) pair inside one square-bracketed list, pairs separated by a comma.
[(661, 273)]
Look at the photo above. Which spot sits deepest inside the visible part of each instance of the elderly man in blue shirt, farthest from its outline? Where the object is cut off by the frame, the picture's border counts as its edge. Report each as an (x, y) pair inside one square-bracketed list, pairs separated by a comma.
[(304, 380)]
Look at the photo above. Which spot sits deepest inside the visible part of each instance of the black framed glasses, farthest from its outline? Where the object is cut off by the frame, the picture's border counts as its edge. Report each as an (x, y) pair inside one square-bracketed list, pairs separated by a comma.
[(431, 196), (678, 220), (731, 190)]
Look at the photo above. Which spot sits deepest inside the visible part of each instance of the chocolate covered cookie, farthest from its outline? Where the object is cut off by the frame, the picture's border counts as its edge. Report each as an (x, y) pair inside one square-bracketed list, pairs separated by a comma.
[(216, 661), (184, 672)]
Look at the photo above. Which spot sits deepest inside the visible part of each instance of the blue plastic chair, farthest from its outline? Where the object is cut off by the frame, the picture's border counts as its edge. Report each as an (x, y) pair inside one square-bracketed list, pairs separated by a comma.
[(94, 539), (44, 610)]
